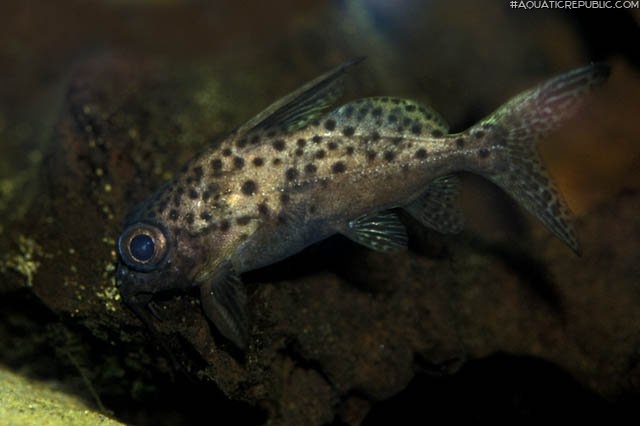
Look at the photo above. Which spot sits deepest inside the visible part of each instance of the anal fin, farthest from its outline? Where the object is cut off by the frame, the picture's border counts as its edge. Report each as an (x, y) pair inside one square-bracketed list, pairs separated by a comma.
[(224, 301), (381, 232), (435, 208)]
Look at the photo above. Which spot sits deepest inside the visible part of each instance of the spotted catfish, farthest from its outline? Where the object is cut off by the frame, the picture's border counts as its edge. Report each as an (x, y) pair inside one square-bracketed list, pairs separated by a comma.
[(298, 173)]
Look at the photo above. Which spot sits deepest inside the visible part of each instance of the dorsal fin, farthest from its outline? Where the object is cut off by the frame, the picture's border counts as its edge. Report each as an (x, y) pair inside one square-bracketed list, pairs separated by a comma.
[(303, 105)]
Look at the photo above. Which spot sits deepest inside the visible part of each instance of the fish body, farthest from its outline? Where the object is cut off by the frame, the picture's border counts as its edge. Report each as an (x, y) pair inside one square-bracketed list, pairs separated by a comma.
[(296, 174)]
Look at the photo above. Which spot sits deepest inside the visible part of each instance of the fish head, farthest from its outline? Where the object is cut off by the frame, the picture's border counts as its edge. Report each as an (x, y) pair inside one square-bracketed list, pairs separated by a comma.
[(147, 262), (154, 258)]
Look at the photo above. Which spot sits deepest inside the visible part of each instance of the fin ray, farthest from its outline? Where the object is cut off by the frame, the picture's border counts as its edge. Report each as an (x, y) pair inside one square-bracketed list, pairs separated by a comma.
[(224, 301), (435, 207), (303, 105), (381, 232)]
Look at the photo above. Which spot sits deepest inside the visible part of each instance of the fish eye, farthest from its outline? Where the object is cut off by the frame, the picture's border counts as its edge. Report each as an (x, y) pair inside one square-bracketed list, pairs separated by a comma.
[(142, 246)]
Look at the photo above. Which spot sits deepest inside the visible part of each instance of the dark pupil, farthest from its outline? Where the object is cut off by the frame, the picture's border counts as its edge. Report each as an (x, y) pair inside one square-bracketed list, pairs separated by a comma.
[(142, 247)]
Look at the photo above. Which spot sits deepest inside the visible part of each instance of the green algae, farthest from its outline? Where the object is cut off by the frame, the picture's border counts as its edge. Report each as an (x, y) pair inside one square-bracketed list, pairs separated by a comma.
[(27, 402), (24, 260)]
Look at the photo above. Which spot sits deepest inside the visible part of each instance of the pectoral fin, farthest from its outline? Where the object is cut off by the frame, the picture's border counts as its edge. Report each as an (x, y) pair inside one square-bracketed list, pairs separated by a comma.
[(435, 208), (224, 301), (381, 232)]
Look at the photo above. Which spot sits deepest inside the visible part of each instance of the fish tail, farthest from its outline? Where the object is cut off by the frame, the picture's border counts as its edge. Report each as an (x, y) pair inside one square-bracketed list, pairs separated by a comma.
[(506, 152)]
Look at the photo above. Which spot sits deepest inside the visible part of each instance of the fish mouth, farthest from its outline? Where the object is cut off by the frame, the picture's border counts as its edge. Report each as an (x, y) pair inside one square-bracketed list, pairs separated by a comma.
[(129, 285)]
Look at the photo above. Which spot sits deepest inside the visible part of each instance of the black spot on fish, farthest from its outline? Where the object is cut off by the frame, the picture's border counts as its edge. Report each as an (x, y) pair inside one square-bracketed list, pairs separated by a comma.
[(198, 172), (320, 153), (338, 167), (301, 143), (396, 141), (243, 220), (299, 152), (177, 199), (312, 209), (483, 153), (285, 198), (375, 136), (189, 218), (206, 216), (330, 124), (377, 112), (271, 133), (249, 187), (241, 143), (410, 107), (316, 139), (348, 112), (226, 152), (216, 165), (255, 139), (291, 173), (395, 101), (279, 145), (349, 150), (348, 131), (362, 113), (392, 118), (406, 122), (421, 154), (332, 145), (460, 142), (263, 209), (173, 214), (282, 218), (310, 168), (193, 194), (389, 155), (436, 133), (479, 134), (238, 162), (416, 129), (258, 162), (371, 155), (224, 225), (162, 206), (276, 161)]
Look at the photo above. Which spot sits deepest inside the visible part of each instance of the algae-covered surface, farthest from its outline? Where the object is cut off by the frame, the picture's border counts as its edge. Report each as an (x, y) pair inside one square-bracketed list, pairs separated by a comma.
[(501, 321), (26, 402)]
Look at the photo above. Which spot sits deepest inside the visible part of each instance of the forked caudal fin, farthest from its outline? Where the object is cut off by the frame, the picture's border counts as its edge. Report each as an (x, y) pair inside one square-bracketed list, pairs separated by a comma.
[(513, 129)]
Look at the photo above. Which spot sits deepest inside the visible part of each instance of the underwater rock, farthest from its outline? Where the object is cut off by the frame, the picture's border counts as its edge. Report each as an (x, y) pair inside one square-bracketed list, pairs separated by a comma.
[(26, 402)]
